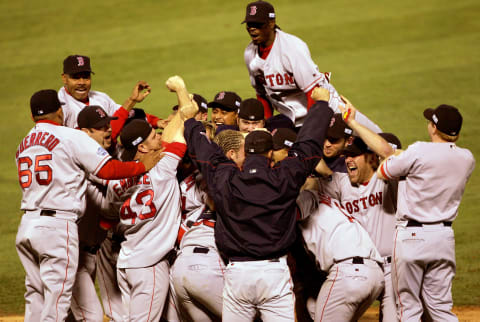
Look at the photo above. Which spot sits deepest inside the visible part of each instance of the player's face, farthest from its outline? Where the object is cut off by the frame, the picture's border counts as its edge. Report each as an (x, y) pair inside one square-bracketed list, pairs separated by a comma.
[(262, 33), (201, 116), (103, 136), (153, 142), (222, 117), (359, 168), (249, 126), (332, 147), (78, 85)]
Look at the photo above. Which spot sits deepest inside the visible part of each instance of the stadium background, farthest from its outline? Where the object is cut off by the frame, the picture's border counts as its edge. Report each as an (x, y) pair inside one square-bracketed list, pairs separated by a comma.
[(391, 58)]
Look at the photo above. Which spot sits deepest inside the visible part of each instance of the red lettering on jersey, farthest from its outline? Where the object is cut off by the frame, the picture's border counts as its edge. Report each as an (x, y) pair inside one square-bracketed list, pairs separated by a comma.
[(355, 206), (49, 140), (146, 178), (363, 200), (379, 198), (44, 138), (52, 145), (288, 79), (25, 142), (349, 207), (340, 207), (270, 79), (371, 200), (279, 79), (39, 137)]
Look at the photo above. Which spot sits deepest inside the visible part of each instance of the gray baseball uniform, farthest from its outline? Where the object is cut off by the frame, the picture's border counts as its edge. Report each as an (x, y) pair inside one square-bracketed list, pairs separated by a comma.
[(424, 244), (198, 270), (344, 249), (373, 205), (52, 161)]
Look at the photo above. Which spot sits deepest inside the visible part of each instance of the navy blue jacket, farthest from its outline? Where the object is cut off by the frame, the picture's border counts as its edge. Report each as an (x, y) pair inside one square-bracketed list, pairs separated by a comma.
[(256, 210)]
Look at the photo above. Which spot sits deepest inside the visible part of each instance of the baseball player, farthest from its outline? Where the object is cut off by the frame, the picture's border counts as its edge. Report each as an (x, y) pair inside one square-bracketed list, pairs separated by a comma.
[(250, 115), (76, 94), (281, 68), (256, 214), (339, 135), (370, 200), (150, 212), (344, 250), (52, 163), (428, 200), (86, 306), (198, 272), (225, 108)]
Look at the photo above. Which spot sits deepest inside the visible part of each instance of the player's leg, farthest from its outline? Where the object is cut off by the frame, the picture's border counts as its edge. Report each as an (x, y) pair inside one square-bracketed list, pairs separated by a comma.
[(171, 312), (439, 274), (58, 266), (274, 296), (85, 303), (198, 280), (239, 288), (33, 282), (125, 288), (149, 289), (408, 262), (388, 307), (107, 279)]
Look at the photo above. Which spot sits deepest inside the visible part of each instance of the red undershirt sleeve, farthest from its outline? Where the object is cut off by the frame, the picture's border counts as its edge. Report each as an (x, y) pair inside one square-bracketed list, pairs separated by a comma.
[(176, 148), (115, 169), (310, 100), (153, 120), (117, 125), (267, 107)]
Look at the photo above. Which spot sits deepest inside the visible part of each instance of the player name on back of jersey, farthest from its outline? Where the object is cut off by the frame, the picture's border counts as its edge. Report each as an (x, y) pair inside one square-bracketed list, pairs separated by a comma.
[(371, 201), (279, 79), (45, 139), (122, 185)]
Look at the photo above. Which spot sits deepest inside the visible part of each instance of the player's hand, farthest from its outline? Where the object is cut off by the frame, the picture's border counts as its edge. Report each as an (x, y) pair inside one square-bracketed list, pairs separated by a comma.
[(140, 91), (320, 94), (175, 83), (150, 159), (348, 111), (161, 124)]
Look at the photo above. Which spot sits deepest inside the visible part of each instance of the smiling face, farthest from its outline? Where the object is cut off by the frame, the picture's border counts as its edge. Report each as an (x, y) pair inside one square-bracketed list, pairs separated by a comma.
[(78, 85), (262, 34), (103, 136), (332, 147), (249, 126), (222, 117), (360, 168)]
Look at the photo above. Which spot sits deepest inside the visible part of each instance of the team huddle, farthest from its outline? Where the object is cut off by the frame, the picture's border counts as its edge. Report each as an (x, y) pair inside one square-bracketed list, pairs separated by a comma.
[(308, 214)]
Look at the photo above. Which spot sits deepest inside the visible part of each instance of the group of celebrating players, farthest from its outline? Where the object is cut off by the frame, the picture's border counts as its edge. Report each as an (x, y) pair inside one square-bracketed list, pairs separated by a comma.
[(310, 214)]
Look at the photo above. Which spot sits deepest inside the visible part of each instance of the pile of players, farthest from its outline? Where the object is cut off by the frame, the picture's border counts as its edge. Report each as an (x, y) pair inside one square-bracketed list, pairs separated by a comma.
[(309, 214)]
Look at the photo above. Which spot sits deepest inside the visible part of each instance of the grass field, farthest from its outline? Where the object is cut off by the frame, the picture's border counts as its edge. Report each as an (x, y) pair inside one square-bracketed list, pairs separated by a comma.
[(391, 58)]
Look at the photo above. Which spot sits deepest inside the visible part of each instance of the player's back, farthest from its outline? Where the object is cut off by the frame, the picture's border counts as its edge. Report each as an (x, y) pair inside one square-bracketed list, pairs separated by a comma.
[(52, 171), (436, 181)]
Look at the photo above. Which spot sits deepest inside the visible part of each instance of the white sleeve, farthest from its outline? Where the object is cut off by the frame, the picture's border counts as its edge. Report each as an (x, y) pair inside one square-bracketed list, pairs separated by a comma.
[(87, 152), (400, 165)]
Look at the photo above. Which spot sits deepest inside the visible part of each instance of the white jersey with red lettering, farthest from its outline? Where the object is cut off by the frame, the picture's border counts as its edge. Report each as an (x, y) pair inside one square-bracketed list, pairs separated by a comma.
[(346, 252), (287, 74), (72, 106), (424, 256), (53, 162), (372, 204)]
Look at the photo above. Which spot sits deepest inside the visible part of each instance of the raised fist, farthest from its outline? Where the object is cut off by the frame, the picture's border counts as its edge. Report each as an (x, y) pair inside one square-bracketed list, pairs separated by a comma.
[(174, 83)]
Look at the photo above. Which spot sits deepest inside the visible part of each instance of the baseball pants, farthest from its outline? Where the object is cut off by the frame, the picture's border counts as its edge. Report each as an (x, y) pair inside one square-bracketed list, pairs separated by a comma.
[(388, 307), (85, 303), (423, 270), (107, 280), (197, 277), (264, 286), (349, 290), (144, 291), (48, 250)]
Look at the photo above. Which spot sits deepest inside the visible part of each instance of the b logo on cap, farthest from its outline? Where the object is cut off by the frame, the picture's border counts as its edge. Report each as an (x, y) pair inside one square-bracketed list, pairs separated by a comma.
[(253, 10), (221, 96), (101, 113), (80, 60)]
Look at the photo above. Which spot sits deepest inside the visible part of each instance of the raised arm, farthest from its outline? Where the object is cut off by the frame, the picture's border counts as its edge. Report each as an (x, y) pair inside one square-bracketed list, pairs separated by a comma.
[(374, 141)]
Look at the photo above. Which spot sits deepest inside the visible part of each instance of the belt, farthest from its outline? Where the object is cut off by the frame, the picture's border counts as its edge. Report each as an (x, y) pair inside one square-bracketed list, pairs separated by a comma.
[(251, 259), (414, 223), (201, 250), (353, 260), (49, 213)]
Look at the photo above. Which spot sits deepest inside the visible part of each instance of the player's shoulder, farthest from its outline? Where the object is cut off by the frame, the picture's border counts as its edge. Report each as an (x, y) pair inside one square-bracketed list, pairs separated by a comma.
[(250, 52), (99, 95), (289, 39)]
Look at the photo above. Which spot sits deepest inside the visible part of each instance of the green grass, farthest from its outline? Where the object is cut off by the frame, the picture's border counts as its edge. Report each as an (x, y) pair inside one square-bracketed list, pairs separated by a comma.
[(391, 58)]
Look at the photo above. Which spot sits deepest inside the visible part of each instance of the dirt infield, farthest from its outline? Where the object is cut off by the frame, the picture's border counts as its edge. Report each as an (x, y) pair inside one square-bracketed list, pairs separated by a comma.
[(464, 313)]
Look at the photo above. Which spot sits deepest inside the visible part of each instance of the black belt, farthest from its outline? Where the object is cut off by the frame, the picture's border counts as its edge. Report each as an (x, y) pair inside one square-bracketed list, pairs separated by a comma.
[(251, 259), (201, 250), (414, 223), (50, 213), (357, 260)]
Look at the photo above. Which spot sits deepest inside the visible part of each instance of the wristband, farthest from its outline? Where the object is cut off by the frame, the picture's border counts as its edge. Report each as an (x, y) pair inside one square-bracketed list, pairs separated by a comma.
[(346, 115)]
